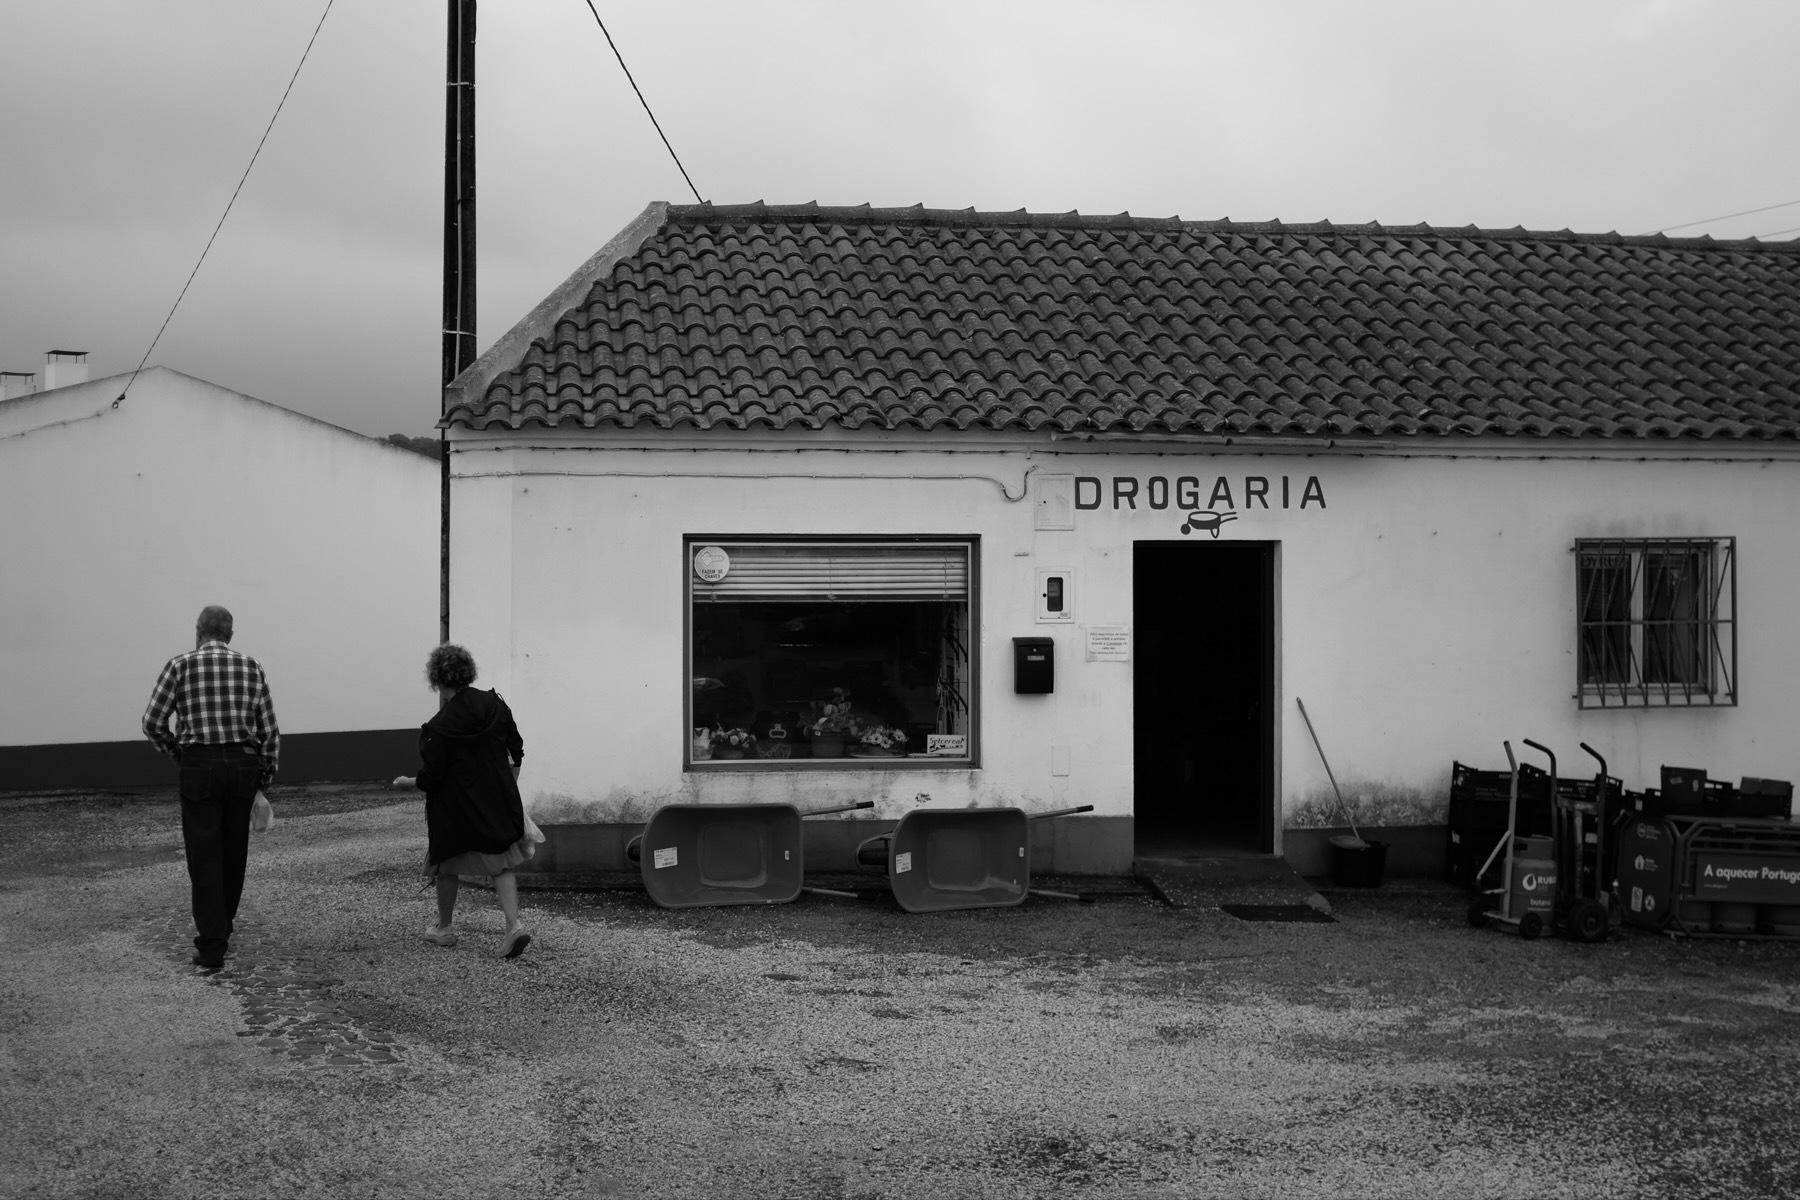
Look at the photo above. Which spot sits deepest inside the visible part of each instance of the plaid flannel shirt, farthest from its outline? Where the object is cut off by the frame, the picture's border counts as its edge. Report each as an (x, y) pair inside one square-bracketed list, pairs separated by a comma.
[(217, 696)]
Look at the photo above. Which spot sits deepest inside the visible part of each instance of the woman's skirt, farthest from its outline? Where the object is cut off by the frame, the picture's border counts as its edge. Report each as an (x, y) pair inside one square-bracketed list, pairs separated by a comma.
[(474, 862)]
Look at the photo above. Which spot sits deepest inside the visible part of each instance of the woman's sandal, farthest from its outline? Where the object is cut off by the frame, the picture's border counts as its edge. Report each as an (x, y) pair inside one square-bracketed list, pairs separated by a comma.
[(515, 943), (445, 937)]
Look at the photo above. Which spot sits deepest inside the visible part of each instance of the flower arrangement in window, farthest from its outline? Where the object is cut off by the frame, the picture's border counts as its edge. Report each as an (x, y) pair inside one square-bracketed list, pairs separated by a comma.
[(731, 743), (834, 724), (886, 739)]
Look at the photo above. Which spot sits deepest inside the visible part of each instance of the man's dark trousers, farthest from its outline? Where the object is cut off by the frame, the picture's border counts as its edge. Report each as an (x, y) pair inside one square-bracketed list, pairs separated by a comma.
[(218, 787)]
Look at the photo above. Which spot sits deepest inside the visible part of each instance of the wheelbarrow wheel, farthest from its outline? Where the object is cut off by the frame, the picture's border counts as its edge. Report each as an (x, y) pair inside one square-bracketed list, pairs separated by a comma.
[(1478, 914), (1531, 927), (1586, 921)]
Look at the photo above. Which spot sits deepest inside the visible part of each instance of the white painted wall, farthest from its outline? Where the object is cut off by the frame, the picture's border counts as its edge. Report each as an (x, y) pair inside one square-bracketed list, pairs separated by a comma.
[(121, 524), (1427, 608)]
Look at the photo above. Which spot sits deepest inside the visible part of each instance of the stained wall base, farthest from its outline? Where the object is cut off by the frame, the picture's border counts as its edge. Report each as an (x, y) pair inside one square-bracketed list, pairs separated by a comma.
[(1413, 850), (1059, 846)]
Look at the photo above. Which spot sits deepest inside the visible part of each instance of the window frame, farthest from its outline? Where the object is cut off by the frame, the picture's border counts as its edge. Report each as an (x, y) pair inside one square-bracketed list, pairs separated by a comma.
[(971, 543), (1620, 571)]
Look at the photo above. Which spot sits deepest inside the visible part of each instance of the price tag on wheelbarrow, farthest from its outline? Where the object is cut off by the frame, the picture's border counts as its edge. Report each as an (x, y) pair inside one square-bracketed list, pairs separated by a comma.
[(664, 857), (903, 863)]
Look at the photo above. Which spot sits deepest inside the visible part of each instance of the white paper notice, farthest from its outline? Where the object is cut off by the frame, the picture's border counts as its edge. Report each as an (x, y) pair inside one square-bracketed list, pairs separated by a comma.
[(1109, 643), (664, 857), (903, 863)]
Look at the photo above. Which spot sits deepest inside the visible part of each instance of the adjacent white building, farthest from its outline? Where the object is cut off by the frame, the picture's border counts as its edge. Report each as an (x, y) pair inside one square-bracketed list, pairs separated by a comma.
[(123, 521)]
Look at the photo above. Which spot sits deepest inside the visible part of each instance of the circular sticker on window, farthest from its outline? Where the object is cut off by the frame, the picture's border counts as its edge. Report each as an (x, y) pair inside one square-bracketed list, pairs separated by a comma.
[(711, 563)]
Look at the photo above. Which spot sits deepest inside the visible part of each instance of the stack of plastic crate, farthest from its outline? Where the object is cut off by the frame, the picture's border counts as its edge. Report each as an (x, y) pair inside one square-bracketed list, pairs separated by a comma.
[(1688, 792), (1477, 822)]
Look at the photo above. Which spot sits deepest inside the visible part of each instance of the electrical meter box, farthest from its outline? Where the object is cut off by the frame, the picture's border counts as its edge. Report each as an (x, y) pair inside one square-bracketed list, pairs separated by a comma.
[(1055, 594), (1034, 666)]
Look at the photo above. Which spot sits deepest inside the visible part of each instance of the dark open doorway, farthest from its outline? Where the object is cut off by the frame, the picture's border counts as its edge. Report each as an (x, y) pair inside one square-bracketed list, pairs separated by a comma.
[(1204, 697)]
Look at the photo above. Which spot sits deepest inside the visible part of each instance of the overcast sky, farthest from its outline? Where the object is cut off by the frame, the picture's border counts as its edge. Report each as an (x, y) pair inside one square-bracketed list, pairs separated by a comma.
[(125, 125)]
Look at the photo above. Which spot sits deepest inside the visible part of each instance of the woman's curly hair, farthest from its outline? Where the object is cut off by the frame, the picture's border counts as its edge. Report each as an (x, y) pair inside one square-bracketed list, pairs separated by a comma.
[(450, 666)]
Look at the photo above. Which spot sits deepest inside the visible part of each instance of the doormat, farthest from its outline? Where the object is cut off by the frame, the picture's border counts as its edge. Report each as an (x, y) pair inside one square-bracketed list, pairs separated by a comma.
[(1278, 912)]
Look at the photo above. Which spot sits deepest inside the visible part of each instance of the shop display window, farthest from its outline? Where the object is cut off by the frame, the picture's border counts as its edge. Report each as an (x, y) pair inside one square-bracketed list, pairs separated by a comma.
[(822, 651), (1658, 621)]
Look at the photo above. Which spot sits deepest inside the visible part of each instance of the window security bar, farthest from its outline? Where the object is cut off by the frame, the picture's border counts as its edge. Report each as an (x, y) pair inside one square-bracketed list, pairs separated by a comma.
[(1656, 622)]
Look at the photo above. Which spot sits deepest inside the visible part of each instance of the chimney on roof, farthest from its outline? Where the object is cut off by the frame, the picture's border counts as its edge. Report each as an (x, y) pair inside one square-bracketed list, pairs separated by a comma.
[(17, 383), (64, 367)]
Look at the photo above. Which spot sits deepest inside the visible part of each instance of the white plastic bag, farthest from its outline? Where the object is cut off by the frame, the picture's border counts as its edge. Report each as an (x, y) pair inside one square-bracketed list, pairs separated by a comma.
[(262, 813)]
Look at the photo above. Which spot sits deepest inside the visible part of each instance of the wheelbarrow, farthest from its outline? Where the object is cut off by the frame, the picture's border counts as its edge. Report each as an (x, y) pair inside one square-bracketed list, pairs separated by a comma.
[(945, 858), (704, 855)]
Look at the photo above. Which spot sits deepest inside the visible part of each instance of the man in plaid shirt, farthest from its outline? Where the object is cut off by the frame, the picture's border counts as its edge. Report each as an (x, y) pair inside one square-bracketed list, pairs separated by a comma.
[(227, 743)]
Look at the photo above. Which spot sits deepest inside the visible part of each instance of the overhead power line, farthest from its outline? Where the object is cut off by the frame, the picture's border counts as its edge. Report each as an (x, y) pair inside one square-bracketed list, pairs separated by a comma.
[(644, 102), (1746, 213), (228, 203)]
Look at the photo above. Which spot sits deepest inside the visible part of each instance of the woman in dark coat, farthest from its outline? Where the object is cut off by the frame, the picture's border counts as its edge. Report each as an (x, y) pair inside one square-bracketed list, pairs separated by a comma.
[(474, 816)]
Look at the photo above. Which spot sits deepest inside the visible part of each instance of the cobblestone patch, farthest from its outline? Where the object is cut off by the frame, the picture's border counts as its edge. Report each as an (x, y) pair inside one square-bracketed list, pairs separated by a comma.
[(287, 1003)]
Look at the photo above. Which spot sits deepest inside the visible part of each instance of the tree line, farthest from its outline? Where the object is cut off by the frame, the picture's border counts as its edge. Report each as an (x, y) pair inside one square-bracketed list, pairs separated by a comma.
[(430, 447)]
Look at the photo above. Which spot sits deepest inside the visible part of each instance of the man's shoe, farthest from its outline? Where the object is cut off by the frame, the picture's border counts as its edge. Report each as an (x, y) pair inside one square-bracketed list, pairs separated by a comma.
[(210, 962)]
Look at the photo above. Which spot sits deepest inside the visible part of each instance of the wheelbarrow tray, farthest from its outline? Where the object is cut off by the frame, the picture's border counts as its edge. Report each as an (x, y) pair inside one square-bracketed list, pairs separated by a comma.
[(960, 858), (703, 855)]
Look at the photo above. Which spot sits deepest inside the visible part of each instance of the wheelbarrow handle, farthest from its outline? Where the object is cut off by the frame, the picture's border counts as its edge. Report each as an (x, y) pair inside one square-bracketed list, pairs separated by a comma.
[(1510, 760), (1060, 812), (825, 812)]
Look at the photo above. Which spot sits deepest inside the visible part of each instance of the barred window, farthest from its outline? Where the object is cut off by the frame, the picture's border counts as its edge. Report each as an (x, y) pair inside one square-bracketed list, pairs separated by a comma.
[(1657, 621)]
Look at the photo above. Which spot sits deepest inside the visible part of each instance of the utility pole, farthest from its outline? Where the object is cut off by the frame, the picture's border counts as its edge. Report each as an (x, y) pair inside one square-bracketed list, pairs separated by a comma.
[(459, 255)]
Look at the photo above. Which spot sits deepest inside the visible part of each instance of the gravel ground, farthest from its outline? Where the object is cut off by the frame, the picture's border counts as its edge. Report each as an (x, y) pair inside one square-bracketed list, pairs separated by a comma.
[(838, 1048)]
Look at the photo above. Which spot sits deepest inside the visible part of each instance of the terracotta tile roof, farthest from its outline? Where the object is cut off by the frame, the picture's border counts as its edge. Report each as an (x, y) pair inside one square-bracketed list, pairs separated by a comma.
[(701, 316)]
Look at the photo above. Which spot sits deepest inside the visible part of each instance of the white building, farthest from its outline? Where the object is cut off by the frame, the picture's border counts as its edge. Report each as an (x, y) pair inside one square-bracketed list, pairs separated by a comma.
[(124, 521), (1446, 487)]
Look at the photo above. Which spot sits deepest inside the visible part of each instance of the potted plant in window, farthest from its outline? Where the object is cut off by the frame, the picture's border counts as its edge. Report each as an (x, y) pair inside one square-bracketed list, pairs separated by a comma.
[(731, 743), (831, 725)]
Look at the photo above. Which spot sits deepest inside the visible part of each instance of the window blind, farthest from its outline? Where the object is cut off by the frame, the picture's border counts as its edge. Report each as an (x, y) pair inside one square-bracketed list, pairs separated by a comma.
[(839, 572)]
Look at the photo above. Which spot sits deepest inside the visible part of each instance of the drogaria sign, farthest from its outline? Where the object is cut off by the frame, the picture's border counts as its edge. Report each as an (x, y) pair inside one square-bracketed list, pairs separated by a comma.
[(1228, 498)]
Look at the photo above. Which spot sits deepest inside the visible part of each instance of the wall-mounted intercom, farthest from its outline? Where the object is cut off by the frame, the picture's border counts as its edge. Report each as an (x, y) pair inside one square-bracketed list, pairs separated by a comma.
[(1034, 666), (1055, 594)]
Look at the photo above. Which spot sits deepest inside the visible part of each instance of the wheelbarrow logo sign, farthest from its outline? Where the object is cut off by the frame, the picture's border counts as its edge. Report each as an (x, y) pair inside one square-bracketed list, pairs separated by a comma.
[(1207, 521)]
